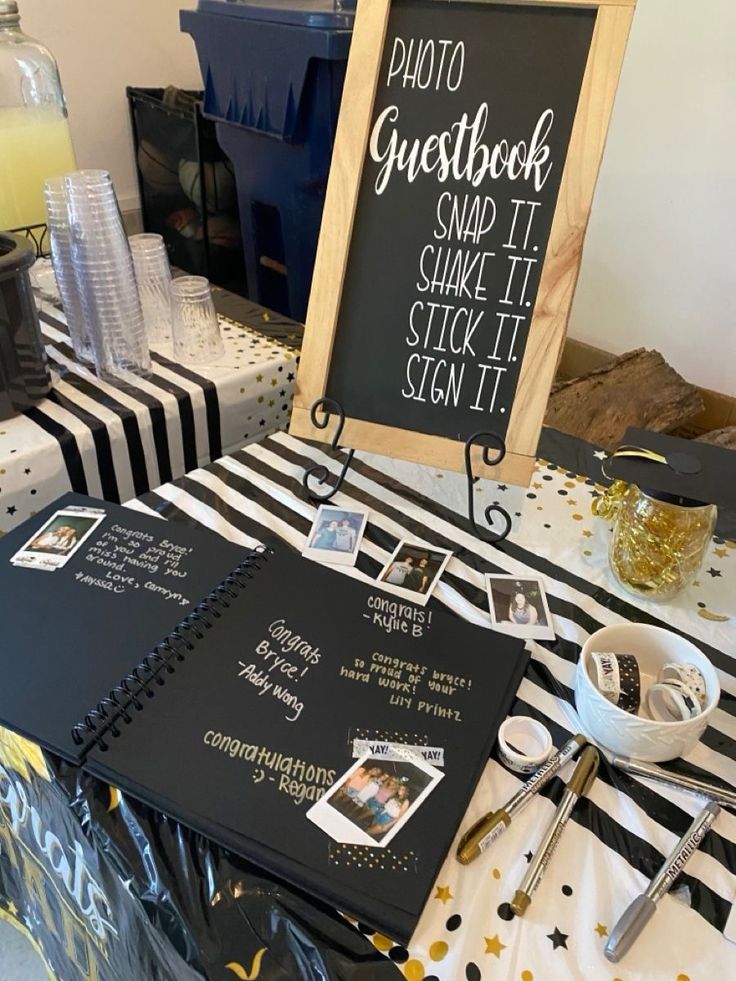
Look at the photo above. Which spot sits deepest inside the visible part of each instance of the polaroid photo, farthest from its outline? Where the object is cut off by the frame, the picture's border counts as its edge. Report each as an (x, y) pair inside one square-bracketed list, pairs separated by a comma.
[(518, 607), (336, 535), (374, 799), (414, 570), (52, 545)]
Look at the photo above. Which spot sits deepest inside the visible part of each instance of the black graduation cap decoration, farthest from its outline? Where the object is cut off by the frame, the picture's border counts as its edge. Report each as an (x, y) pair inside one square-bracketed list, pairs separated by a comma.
[(681, 471)]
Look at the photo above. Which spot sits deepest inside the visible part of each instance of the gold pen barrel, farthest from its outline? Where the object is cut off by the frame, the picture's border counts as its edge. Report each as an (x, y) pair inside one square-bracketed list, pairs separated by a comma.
[(480, 836), (579, 784), (492, 825), (585, 772)]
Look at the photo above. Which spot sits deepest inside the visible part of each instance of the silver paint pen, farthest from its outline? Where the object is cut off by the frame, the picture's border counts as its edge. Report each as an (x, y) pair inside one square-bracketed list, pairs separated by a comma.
[(492, 825), (642, 909), (691, 785), (579, 784)]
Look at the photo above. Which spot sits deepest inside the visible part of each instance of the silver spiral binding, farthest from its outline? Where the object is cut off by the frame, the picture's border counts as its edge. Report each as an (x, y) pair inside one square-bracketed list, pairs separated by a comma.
[(107, 719)]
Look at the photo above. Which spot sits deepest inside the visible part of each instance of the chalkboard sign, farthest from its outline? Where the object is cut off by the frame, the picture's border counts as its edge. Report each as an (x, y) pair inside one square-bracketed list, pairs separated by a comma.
[(468, 148)]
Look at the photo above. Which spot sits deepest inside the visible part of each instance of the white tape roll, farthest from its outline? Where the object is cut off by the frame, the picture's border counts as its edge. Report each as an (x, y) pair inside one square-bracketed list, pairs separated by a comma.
[(672, 701), (689, 675), (524, 744)]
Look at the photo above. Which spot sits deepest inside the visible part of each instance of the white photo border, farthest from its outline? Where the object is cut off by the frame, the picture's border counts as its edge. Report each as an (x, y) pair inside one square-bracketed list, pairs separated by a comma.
[(343, 830), (330, 556), (525, 631), (421, 598)]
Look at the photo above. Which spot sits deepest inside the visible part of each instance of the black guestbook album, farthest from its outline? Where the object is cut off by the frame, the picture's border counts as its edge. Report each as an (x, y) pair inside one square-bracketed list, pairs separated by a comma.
[(233, 689)]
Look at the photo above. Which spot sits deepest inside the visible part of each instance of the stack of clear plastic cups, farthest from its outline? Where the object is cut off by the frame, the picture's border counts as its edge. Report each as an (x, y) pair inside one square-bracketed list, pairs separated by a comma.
[(194, 324), (104, 271), (153, 275), (57, 214)]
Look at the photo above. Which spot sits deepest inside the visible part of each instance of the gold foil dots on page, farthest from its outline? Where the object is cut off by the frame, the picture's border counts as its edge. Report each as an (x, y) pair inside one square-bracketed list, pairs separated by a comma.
[(369, 859), (383, 735)]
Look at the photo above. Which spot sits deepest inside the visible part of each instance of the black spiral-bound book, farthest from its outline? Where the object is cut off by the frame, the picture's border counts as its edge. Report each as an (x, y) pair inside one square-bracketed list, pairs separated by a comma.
[(240, 714), (67, 636)]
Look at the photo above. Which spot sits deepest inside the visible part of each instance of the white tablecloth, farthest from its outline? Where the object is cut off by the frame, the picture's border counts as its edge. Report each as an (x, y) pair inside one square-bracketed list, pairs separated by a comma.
[(621, 832), (116, 441)]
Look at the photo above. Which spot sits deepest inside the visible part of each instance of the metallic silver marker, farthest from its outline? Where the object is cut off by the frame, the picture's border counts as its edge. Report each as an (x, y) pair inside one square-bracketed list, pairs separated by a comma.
[(492, 825), (726, 798), (579, 784), (642, 909)]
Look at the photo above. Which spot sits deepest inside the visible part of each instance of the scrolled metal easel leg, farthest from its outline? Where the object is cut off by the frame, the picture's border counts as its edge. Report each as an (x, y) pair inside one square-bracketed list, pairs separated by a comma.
[(319, 471), (488, 441)]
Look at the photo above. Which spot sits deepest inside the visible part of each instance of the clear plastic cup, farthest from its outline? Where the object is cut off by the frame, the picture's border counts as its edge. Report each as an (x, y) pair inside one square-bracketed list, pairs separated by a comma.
[(153, 275), (57, 214), (194, 323), (104, 273)]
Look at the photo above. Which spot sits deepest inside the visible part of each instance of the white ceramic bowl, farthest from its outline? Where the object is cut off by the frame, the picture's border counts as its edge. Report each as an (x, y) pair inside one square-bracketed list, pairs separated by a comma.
[(633, 735)]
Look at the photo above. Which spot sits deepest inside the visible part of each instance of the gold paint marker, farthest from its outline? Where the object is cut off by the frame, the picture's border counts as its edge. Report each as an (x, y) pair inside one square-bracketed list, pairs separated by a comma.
[(492, 825), (579, 784)]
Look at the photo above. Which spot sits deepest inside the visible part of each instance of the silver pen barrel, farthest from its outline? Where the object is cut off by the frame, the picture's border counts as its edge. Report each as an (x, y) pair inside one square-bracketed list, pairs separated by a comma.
[(641, 910), (544, 774), (548, 844), (585, 772), (691, 785), (680, 854)]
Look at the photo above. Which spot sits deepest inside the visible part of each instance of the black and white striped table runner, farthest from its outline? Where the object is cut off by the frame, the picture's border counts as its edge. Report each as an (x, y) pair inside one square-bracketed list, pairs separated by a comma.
[(118, 441), (620, 834)]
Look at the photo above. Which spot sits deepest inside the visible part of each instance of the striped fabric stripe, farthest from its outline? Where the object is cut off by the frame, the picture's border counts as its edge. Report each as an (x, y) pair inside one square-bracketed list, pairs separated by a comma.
[(255, 496), (135, 436)]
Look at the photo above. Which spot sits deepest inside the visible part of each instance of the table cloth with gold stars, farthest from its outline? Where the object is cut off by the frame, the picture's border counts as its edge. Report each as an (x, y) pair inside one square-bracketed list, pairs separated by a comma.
[(618, 835), (116, 441)]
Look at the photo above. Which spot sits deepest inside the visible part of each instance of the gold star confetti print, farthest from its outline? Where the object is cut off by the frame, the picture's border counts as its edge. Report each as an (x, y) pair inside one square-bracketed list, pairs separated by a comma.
[(494, 945), (443, 894)]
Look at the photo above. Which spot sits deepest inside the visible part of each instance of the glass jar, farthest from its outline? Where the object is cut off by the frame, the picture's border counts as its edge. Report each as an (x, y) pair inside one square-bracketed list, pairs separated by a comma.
[(34, 133), (658, 542)]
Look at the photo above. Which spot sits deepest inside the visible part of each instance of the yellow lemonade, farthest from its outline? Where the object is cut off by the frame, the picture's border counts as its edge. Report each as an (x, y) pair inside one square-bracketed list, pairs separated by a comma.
[(34, 144)]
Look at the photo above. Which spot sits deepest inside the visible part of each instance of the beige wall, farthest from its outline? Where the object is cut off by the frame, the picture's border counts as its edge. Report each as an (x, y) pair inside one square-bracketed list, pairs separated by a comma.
[(659, 267), (102, 46), (660, 260)]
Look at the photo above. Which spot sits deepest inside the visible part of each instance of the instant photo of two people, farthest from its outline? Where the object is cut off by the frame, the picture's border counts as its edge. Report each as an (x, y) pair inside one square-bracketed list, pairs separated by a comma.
[(335, 536), (52, 545)]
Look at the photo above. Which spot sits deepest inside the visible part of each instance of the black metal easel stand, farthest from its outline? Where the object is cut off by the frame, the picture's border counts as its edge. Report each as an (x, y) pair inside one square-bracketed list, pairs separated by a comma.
[(324, 408)]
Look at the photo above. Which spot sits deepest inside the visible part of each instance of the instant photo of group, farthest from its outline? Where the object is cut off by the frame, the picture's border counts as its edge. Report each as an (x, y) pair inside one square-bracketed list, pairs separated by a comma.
[(372, 801)]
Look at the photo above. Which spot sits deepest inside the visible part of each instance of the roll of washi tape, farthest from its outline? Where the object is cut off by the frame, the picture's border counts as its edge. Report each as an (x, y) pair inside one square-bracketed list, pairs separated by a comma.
[(524, 744), (672, 701), (689, 675), (618, 679)]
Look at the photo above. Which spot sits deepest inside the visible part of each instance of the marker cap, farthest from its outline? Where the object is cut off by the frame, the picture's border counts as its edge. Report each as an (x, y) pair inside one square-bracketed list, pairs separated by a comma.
[(520, 903), (480, 836), (585, 771), (629, 927)]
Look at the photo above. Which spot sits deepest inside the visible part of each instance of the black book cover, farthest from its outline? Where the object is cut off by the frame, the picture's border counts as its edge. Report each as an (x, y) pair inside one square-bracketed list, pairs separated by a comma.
[(240, 735), (69, 635)]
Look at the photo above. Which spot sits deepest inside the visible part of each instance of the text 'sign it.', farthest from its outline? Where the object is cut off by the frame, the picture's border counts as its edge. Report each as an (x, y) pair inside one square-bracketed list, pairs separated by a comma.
[(463, 333), (122, 559), (281, 660)]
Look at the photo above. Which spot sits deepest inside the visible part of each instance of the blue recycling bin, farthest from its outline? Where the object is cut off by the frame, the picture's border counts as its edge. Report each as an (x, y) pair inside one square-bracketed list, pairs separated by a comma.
[(273, 73)]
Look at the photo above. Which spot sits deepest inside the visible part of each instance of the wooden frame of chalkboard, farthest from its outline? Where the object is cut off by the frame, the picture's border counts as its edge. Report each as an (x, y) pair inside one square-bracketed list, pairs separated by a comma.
[(341, 317)]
